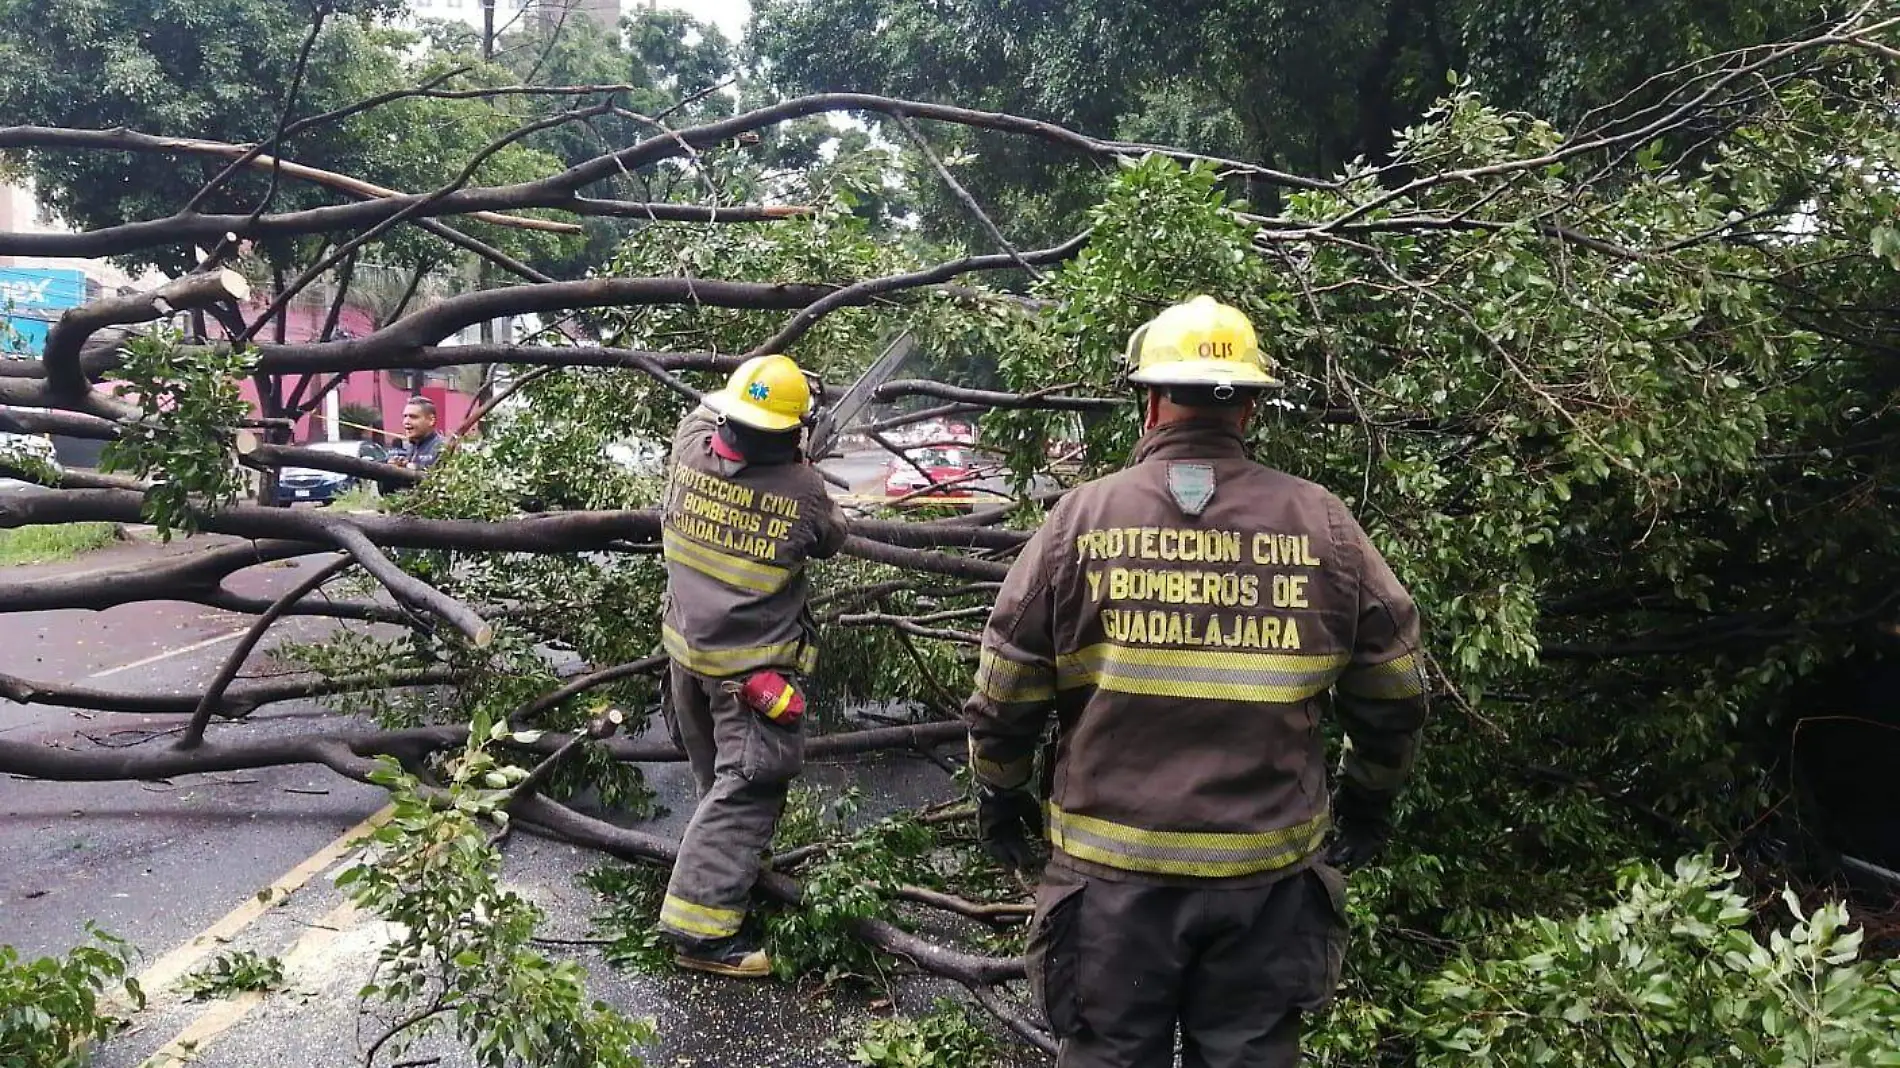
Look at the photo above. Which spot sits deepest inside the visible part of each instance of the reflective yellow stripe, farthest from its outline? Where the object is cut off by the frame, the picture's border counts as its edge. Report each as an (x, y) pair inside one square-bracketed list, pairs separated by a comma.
[(719, 663), (1283, 678), (737, 571), (783, 702), (1202, 854), (1394, 680), (682, 915), (1006, 775), (1007, 682)]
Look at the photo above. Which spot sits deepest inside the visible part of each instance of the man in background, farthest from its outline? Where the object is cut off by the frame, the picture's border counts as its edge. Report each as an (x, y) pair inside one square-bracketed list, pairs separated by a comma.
[(421, 443)]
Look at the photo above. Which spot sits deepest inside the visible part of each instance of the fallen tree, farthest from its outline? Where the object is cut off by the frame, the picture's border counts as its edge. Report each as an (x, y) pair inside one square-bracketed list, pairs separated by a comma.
[(1578, 385)]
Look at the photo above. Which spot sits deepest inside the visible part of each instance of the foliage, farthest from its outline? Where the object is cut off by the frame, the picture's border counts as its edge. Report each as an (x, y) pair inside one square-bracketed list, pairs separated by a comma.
[(810, 817), (47, 544), (853, 880), (222, 70), (233, 973), (1671, 974), (187, 397), (1621, 418), (360, 497), (665, 57), (51, 1007), (632, 895), (946, 1037), (463, 945), (877, 664), (1302, 87)]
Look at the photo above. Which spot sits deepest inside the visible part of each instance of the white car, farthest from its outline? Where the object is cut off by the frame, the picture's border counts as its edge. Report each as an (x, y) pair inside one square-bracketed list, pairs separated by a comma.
[(28, 448)]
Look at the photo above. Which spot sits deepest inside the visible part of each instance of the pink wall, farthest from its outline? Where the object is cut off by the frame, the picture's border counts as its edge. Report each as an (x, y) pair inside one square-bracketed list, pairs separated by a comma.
[(370, 389)]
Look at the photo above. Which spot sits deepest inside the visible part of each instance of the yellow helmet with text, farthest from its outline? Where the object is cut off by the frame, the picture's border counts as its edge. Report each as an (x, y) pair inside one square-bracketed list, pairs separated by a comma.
[(1201, 342), (765, 393)]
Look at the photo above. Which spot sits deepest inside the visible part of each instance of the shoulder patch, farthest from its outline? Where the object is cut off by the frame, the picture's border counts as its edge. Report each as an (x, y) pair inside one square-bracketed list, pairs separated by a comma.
[(1192, 486)]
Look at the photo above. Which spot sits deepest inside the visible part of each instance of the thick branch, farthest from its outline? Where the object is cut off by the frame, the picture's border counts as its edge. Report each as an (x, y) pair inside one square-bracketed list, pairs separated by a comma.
[(70, 424), (67, 478), (925, 536), (239, 700), (552, 532), (314, 358), (65, 340), (962, 567), (190, 577), (951, 963), (410, 746), (265, 456)]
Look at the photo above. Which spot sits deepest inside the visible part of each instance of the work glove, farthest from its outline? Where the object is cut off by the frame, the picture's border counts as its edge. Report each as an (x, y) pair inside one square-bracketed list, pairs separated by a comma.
[(1361, 829), (1008, 824)]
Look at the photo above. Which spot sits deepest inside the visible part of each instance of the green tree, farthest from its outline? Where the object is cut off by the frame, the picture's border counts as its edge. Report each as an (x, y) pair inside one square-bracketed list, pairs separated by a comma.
[(222, 70), (1305, 87)]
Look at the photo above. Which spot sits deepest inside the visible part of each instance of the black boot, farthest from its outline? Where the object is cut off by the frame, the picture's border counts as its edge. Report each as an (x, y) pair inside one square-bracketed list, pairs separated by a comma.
[(738, 957)]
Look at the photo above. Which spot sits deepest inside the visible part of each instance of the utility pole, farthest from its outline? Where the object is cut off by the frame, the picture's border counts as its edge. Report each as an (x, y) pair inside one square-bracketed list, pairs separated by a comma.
[(481, 264)]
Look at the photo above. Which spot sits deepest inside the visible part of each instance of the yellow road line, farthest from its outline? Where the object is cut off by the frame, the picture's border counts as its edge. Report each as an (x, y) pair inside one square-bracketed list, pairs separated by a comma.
[(173, 966), (223, 1015), (169, 653)]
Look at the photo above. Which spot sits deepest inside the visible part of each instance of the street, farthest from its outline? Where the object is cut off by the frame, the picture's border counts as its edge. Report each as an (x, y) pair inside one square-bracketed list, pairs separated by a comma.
[(176, 867)]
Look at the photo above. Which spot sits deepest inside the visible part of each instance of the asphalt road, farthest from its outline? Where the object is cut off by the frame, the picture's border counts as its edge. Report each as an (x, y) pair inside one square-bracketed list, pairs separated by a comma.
[(160, 863), (150, 861)]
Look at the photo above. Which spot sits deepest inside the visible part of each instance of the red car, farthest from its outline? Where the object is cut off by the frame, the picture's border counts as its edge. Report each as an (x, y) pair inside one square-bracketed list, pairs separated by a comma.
[(955, 467)]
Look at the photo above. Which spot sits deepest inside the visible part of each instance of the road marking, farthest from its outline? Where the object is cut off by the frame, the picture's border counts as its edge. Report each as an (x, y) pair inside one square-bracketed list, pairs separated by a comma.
[(186, 1045), (169, 968), (169, 653)]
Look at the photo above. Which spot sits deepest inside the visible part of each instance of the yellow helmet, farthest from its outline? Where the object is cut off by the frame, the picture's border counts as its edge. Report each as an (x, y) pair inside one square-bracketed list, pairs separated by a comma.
[(1200, 343), (765, 393)]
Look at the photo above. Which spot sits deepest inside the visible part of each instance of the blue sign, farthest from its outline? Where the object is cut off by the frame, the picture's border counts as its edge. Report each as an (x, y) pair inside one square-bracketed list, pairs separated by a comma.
[(32, 299)]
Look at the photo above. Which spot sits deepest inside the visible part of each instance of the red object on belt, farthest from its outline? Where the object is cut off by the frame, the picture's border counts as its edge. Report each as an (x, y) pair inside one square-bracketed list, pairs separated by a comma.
[(773, 696)]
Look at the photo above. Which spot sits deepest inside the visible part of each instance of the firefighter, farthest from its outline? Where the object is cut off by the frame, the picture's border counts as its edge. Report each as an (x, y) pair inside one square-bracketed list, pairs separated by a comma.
[(1183, 623), (744, 511)]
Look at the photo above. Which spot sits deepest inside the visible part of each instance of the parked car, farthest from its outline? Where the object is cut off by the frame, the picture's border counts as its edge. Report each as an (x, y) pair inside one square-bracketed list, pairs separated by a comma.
[(945, 465), (27, 448), (300, 485)]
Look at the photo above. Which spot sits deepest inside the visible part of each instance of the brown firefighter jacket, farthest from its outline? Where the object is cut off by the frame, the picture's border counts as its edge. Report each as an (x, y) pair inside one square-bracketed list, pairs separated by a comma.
[(736, 537), (1184, 619)]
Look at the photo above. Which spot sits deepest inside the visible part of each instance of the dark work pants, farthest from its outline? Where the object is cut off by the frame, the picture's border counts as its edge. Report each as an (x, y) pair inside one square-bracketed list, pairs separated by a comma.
[(1118, 967), (743, 765)]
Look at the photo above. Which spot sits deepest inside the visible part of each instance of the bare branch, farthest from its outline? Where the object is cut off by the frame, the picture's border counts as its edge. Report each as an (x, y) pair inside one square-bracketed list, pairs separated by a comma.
[(963, 195), (410, 590), (866, 291), (583, 683), (318, 14), (989, 398), (214, 693)]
